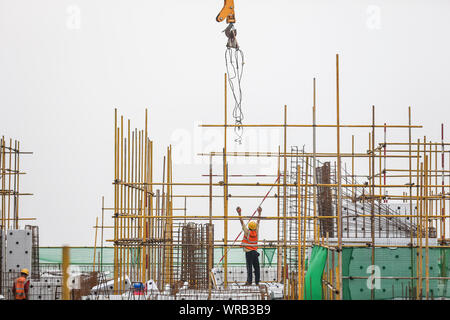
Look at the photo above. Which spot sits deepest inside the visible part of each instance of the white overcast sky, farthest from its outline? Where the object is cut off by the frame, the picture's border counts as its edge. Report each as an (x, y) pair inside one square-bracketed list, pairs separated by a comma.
[(65, 66)]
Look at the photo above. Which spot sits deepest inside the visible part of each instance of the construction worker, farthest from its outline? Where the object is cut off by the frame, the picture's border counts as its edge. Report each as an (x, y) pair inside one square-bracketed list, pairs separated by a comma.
[(250, 245), (21, 286)]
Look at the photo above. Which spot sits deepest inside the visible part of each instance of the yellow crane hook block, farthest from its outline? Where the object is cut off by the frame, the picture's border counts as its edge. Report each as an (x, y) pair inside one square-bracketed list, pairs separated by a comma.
[(227, 12)]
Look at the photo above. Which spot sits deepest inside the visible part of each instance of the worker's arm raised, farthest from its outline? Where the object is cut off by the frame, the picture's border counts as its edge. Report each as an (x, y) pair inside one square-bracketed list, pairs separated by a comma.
[(259, 214), (238, 209)]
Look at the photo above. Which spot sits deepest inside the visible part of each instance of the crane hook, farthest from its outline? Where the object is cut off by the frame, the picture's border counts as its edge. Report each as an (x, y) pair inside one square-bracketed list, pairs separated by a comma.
[(231, 33)]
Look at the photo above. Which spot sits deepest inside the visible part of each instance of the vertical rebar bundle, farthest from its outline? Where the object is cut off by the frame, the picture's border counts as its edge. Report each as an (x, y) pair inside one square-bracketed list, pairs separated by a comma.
[(195, 255)]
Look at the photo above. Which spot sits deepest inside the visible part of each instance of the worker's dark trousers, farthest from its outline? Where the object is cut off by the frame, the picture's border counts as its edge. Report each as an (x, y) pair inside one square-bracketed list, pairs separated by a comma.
[(251, 259)]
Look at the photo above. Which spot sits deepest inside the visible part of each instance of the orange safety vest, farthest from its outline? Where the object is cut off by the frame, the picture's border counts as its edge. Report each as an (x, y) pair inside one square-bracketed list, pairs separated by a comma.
[(20, 288), (250, 242)]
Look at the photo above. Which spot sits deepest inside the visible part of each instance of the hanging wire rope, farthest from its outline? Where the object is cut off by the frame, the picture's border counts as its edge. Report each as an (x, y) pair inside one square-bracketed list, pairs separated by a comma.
[(234, 61)]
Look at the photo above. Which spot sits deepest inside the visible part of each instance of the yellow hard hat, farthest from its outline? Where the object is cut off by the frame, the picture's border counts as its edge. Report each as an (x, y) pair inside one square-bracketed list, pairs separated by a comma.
[(24, 271), (252, 225)]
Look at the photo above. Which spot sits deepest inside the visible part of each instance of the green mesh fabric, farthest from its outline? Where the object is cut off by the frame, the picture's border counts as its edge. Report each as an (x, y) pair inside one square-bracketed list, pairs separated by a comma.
[(313, 277), (268, 254), (78, 255), (395, 262), (85, 255), (236, 256), (399, 263)]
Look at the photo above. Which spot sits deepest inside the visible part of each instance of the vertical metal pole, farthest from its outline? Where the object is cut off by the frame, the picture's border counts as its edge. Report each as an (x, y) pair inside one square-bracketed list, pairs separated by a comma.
[(116, 260), (443, 191), (2, 176), (410, 195), (279, 266), (121, 189), (372, 191), (418, 225), (153, 223), (103, 219), (65, 272), (305, 212), (285, 270), (16, 207), (210, 190), (129, 169), (384, 160), (9, 184), (299, 239), (139, 248), (225, 190), (427, 262), (145, 204), (157, 265), (339, 203), (433, 212), (151, 258), (421, 207), (353, 182), (95, 242), (210, 238), (163, 227), (314, 163)]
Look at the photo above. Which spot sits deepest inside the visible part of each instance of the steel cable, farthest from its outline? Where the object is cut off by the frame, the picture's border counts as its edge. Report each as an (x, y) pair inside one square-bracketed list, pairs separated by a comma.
[(234, 61)]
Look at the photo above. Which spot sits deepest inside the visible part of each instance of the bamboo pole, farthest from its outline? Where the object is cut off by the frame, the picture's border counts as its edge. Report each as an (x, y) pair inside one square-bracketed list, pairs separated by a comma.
[(314, 162), (95, 242), (299, 238), (410, 193), (443, 221), (284, 198), (418, 226), (279, 266), (426, 202), (225, 186), (65, 273), (101, 239), (372, 202), (305, 212), (116, 253)]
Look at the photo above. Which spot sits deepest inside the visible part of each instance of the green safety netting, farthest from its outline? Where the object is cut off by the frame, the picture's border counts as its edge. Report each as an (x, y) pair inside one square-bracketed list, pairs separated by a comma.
[(85, 255), (236, 256), (78, 255), (269, 254), (313, 276), (396, 266), (398, 263)]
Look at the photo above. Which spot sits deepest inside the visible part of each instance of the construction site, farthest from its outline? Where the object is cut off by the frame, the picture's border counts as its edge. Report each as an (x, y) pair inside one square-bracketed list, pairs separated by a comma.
[(370, 223)]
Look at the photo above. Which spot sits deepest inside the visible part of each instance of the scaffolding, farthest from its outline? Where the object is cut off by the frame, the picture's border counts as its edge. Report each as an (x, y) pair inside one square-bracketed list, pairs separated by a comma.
[(10, 218), (323, 199), (10, 173)]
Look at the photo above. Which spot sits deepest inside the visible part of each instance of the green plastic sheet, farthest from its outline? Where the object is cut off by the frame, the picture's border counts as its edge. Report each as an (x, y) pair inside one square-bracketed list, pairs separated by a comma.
[(313, 277)]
